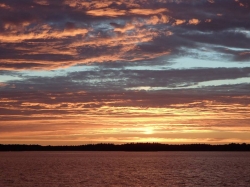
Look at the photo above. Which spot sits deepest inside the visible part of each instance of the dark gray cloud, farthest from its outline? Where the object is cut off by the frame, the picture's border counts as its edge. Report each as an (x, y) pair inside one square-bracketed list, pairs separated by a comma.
[(119, 80)]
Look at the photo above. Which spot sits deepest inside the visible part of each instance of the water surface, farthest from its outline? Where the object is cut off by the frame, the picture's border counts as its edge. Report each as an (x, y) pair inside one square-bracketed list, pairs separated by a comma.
[(117, 169)]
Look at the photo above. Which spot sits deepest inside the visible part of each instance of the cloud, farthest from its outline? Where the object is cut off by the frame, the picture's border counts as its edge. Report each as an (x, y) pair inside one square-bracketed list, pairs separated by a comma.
[(104, 69), (43, 35), (119, 79), (194, 21), (74, 115), (2, 84), (33, 36), (106, 12), (147, 11)]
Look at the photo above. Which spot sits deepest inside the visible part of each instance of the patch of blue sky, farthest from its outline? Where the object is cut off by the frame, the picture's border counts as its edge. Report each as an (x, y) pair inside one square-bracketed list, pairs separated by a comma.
[(243, 31), (147, 67), (243, 80), (6, 78), (192, 63), (57, 72), (24, 74)]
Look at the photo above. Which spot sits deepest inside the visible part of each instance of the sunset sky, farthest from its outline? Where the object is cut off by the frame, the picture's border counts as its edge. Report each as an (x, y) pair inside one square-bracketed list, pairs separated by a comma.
[(116, 71)]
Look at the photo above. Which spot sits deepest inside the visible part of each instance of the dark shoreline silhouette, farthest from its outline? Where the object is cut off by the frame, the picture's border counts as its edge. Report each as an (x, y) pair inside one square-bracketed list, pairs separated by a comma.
[(128, 147)]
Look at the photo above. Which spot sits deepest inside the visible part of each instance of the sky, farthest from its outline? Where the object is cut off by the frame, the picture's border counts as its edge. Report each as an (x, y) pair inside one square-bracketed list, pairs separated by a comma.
[(89, 71)]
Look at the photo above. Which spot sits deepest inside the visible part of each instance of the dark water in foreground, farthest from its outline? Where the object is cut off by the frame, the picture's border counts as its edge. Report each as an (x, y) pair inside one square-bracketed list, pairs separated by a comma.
[(107, 169)]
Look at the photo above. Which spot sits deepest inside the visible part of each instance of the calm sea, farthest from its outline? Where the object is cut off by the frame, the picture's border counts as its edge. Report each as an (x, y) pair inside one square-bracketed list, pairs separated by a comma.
[(107, 169)]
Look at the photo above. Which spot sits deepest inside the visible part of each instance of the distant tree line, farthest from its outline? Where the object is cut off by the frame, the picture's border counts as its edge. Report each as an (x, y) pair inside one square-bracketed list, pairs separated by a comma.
[(128, 147)]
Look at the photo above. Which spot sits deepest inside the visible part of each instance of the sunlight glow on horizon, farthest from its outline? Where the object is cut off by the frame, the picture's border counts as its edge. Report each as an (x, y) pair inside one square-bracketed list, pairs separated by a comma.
[(124, 71)]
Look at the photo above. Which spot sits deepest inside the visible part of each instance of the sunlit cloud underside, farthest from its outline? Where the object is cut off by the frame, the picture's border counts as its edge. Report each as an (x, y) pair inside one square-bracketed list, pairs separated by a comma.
[(170, 71)]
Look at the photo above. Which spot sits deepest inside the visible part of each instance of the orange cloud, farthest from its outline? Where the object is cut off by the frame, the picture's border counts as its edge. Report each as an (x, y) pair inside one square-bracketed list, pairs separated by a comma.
[(42, 2), (88, 5), (147, 11), (157, 20), (179, 22), (106, 12), (119, 119), (2, 5), (194, 21), (10, 38), (2, 85), (127, 27)]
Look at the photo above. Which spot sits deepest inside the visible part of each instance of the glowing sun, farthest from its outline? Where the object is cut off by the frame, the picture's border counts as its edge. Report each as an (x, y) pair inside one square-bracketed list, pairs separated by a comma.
[(148, 131)]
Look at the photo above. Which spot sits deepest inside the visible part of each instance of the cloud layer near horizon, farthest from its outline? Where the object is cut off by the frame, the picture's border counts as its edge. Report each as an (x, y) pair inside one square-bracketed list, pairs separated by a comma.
[(126, 70)]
